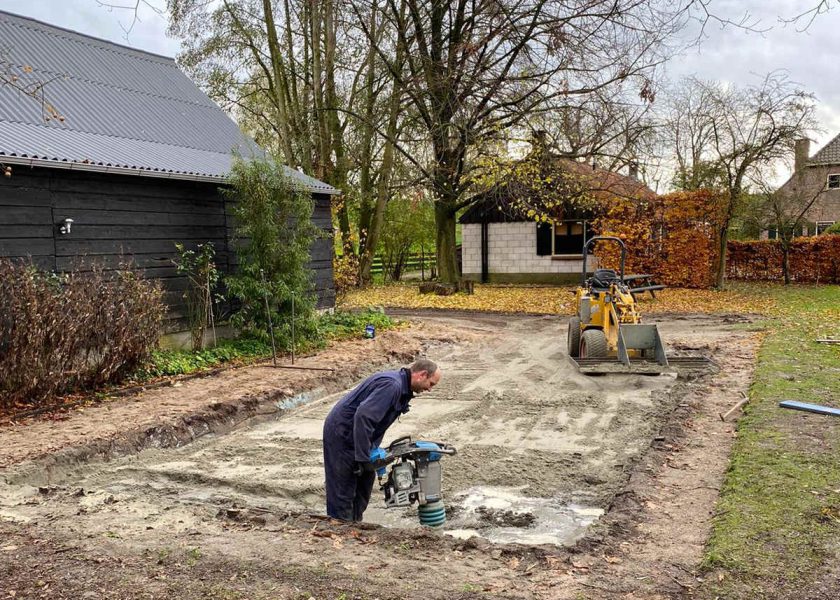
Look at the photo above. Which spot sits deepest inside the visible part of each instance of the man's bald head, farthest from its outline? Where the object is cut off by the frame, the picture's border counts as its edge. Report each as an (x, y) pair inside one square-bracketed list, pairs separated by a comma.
[(424, 375)]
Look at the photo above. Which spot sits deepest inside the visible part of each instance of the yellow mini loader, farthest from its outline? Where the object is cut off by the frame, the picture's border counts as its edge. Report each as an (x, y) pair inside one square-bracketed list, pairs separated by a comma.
[(607, 335)]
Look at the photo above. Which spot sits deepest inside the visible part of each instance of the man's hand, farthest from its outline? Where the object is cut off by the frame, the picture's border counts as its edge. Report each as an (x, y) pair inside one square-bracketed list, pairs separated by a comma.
[(377, 461), (360, 468), (377, 455)]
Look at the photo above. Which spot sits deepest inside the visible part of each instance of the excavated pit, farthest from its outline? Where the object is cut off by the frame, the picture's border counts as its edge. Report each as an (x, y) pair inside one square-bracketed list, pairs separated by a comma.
[(542, 449)]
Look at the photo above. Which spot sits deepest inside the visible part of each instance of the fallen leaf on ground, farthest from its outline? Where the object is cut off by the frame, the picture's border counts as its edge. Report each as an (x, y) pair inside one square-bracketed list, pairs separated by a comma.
[(323, 534), (557, 300), (362, 539)]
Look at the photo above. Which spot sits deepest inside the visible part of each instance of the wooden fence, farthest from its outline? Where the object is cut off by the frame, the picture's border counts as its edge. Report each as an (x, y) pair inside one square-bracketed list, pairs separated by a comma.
[(424, 263)]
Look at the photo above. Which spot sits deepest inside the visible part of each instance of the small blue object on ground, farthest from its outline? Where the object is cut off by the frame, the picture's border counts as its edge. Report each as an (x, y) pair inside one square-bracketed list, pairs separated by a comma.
[(370, 332), (814, 408)]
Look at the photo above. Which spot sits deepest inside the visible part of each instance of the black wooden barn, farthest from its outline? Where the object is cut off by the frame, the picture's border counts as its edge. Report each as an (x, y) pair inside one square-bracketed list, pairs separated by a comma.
[(136, 163)]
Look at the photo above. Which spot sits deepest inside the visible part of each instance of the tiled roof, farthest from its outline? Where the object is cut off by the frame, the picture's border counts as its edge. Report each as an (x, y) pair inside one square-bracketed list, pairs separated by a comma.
[(828, 154), (124, 110), (496, 204)]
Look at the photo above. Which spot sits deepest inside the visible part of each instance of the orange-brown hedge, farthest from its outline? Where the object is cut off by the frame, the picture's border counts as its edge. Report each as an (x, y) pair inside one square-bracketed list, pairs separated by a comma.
[(79, 330), (345, 274), (812, 260), (673, 237)]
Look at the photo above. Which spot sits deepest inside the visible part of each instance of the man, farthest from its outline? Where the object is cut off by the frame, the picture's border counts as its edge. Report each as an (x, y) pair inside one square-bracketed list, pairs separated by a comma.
[(357, 424)]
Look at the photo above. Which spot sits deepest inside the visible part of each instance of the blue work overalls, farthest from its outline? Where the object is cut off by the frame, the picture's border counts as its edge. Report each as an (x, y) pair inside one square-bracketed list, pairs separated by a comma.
[(355, 425)]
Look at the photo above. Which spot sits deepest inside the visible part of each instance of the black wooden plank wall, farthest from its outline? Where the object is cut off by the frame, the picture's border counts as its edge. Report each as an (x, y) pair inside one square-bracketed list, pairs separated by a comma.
[(26, 220), (321, 252), (120, 217)]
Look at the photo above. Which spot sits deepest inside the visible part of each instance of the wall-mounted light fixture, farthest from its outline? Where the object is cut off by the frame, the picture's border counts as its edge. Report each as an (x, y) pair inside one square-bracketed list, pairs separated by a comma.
[(64, 228)]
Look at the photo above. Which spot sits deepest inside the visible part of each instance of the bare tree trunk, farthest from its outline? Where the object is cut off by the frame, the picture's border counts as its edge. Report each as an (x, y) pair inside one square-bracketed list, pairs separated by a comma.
[(366, 191), (734, 196), (377, 217), (331, 115), (325, 116), (278, 81), (300, 102), (720, 276), (786, 262), (321, 136), (445, 240)]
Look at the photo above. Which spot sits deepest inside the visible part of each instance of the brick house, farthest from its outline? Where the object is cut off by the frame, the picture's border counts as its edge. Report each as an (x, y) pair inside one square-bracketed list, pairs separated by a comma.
[(815, 175), (500, 243)]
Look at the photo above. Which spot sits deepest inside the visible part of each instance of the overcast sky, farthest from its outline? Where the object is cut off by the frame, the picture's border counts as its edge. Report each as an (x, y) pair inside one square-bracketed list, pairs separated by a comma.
[(811, 57)]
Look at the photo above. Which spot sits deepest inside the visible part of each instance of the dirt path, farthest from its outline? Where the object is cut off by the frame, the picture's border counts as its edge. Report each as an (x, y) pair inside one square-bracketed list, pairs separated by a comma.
[(544, 453)]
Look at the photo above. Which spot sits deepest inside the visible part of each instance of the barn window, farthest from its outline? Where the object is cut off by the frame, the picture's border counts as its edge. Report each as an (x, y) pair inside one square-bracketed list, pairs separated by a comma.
[(834, 181)]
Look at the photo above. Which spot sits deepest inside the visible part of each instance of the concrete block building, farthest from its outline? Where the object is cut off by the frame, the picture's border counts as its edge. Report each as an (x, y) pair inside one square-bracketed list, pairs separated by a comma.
[(501, 243)]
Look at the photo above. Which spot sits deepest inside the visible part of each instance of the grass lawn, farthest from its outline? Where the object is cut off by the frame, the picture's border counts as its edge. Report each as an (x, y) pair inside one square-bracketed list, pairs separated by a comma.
[(777, 526)]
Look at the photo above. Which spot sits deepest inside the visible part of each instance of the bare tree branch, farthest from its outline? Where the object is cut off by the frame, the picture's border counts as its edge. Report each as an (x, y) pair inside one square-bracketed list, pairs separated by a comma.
[(724, 135), (134, 9), (24, 80), (805, 19)]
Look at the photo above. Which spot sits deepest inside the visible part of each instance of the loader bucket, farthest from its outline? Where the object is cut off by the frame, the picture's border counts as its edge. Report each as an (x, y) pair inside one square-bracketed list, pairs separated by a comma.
[(644, 338)]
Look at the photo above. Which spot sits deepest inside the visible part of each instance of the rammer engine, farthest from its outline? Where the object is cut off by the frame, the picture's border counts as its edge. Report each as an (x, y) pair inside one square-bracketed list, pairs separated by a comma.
[(412, 473)]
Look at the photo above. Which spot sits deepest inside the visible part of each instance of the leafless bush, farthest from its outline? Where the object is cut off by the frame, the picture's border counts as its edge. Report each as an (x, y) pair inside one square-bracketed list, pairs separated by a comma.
[(60, 333)]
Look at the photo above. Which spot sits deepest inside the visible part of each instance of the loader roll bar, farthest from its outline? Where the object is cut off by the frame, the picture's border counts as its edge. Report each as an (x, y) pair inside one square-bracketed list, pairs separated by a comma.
[(598, 238)]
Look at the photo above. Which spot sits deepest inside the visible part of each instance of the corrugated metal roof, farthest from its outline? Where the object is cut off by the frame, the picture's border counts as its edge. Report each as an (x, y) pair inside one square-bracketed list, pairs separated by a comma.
[(828, 155), (122, 108)]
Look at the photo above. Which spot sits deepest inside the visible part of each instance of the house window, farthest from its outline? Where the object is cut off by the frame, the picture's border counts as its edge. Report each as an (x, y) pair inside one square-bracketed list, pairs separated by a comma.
[(834, 181), (790, 232), (823, 225), (569, 237)]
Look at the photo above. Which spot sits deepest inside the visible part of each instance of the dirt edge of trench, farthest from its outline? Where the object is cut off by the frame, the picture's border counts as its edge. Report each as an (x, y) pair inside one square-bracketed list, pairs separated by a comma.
[(52, 467)]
